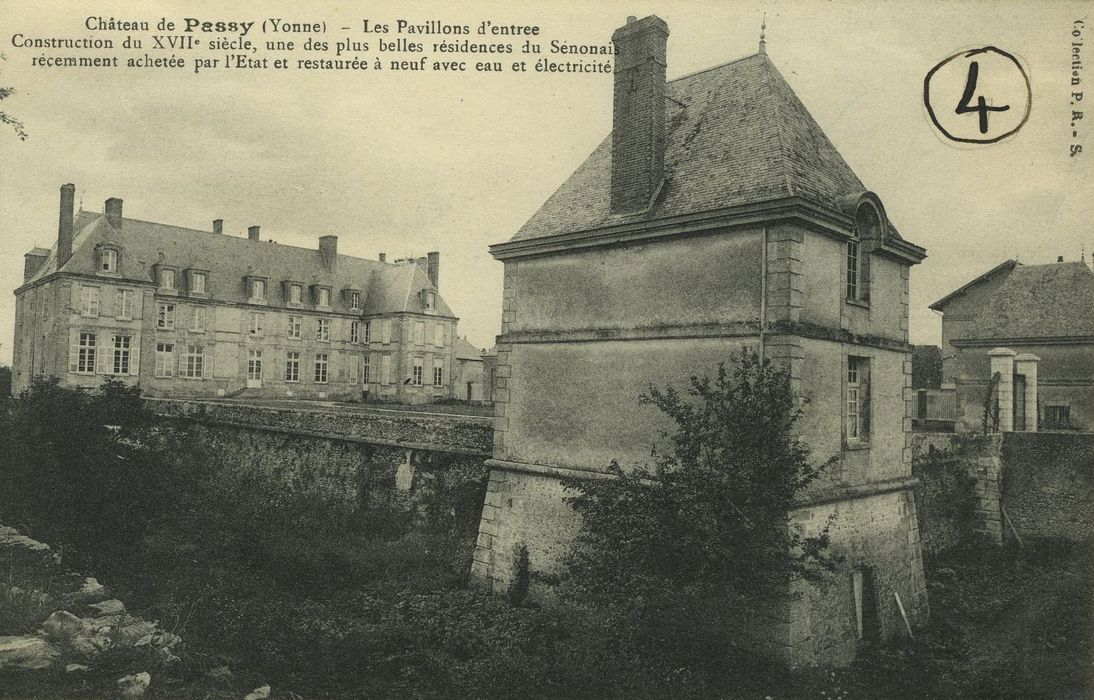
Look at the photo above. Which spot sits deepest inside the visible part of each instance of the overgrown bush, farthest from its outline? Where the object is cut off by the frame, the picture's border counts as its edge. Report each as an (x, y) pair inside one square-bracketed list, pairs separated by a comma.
[(677, 547)]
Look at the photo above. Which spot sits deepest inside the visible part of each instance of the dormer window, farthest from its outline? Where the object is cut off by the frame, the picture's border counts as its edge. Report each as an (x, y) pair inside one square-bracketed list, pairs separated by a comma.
[(197, 282), (321, 295), (868, 234), (429, 299), (108, 260), (165, 278), (354, 299), (256, 289), (293, 292)]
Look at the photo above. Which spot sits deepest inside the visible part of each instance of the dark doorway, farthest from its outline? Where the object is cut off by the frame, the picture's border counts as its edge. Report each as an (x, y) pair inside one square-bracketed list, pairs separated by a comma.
[(1019, 402), (868, 625)]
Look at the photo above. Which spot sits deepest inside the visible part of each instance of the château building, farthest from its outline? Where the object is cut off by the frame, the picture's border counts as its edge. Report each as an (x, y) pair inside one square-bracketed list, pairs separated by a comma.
[(195, 313)]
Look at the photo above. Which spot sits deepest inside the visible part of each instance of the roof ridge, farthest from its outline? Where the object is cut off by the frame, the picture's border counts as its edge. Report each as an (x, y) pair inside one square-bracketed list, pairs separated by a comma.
[(720, 65)]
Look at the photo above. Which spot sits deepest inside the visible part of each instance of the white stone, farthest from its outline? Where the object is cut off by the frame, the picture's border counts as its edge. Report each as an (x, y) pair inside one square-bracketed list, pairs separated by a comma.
[(109, 607), (62, 625), (260, 693), (134, 686), (76, 668), (26, 653)]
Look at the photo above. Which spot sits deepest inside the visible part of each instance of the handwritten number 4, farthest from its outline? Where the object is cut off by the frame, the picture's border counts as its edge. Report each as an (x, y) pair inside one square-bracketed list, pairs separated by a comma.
[(981, 106)]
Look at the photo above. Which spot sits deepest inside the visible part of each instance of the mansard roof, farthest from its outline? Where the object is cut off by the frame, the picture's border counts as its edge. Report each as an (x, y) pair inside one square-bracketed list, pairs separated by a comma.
[(735, 134), (388, 287)]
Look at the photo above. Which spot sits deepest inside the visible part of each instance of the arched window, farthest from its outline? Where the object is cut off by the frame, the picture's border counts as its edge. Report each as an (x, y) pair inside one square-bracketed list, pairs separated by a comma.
[(867, 236)]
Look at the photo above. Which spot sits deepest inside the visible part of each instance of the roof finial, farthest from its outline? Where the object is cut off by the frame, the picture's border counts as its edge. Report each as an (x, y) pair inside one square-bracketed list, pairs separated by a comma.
[(763, 32)]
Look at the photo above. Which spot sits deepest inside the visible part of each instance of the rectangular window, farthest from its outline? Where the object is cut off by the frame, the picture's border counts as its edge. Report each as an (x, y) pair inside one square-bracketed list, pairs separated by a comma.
[(852, 270), (438, 335), (858, 399), (321, 368), (167, 279), (368, 332), (419, 332), (323, 297), (354, 331), (165, 317), (322, 329), (198, 319), (254, 364), (1057, 416), (165, 360), (351, 368), (193, 362), (419, 371), (295, 325), (83, 361), (294, 293), (197, 282), (258, 289), (364, 370), (385, 369), (438, 372), (355, 300), (258, 320), (109, 261), (430, 300), (386, 330), (120, 364), (292, 367), (123, 304), (89, 300)]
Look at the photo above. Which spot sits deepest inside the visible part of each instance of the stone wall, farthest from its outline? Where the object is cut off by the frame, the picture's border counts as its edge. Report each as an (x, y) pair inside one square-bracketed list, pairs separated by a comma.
[(1048, 484)]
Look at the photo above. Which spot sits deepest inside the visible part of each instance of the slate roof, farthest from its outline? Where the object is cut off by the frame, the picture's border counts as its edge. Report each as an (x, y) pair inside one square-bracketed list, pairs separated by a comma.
[(464, 350), (386, 287), (1039, 301), (735, 134)]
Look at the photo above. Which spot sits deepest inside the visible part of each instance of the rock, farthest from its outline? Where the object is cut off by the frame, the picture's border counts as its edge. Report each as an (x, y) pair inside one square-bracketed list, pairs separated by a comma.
[(88, 648), (134, 686), (26, 653), (63, 625), (109, 607), (91, 591), (129, 634), (76, 668), (219, 673), (260, 693), (167, 640)]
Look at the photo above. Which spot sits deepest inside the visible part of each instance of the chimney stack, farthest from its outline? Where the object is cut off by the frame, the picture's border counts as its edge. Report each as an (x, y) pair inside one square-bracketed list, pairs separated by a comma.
[(33, 261), (328, 249), (252, 233), (218, 225), (638, 114), (64, 224), (383, 257), (114, 212), (433, 268), (1059, 258)]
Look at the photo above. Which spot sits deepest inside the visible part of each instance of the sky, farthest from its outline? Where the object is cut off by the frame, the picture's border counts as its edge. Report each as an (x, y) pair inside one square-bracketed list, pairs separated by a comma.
[(405, 163)]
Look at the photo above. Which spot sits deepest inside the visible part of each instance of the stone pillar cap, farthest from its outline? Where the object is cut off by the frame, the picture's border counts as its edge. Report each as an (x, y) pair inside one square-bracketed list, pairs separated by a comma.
[(1002, 352), (1027, 357)]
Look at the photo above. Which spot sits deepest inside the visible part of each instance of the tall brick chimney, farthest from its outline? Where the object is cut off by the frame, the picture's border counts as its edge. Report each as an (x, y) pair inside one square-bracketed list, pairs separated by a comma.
[(64, 224), (638, 116), (252, 232), (328, 249), (114, 212), (218, 225), (433, 268)]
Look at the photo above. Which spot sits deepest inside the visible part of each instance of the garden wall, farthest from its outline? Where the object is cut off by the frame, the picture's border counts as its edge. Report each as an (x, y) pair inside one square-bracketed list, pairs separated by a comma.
[(1048, 484)]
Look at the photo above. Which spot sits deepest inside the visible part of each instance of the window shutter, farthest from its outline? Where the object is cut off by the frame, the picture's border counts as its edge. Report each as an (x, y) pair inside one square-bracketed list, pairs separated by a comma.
[(866, 391), (134, 356), (73, 349)]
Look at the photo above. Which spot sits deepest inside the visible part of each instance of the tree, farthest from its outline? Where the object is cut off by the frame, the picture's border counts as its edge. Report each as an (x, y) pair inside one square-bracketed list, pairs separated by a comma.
[(5, 118), (676, 545)]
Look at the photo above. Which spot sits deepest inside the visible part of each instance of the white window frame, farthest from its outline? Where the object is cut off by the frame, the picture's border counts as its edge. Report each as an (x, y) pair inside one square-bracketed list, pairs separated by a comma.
[(296, 327), (355, 301), (417, 371), (199, 283), (258, 289), (168, 278), (292, 366), (123, 304), (257, 323), (322, 297), (254, 364), (354, 331), (85, 353), (365, 369), (296, 293), (322, 329), (121, 354), (89, 301), (368, 332), (438, 373), (108, 260), (165, 360), (857, 405), (322, 367), (165, 316), (193, 362)]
